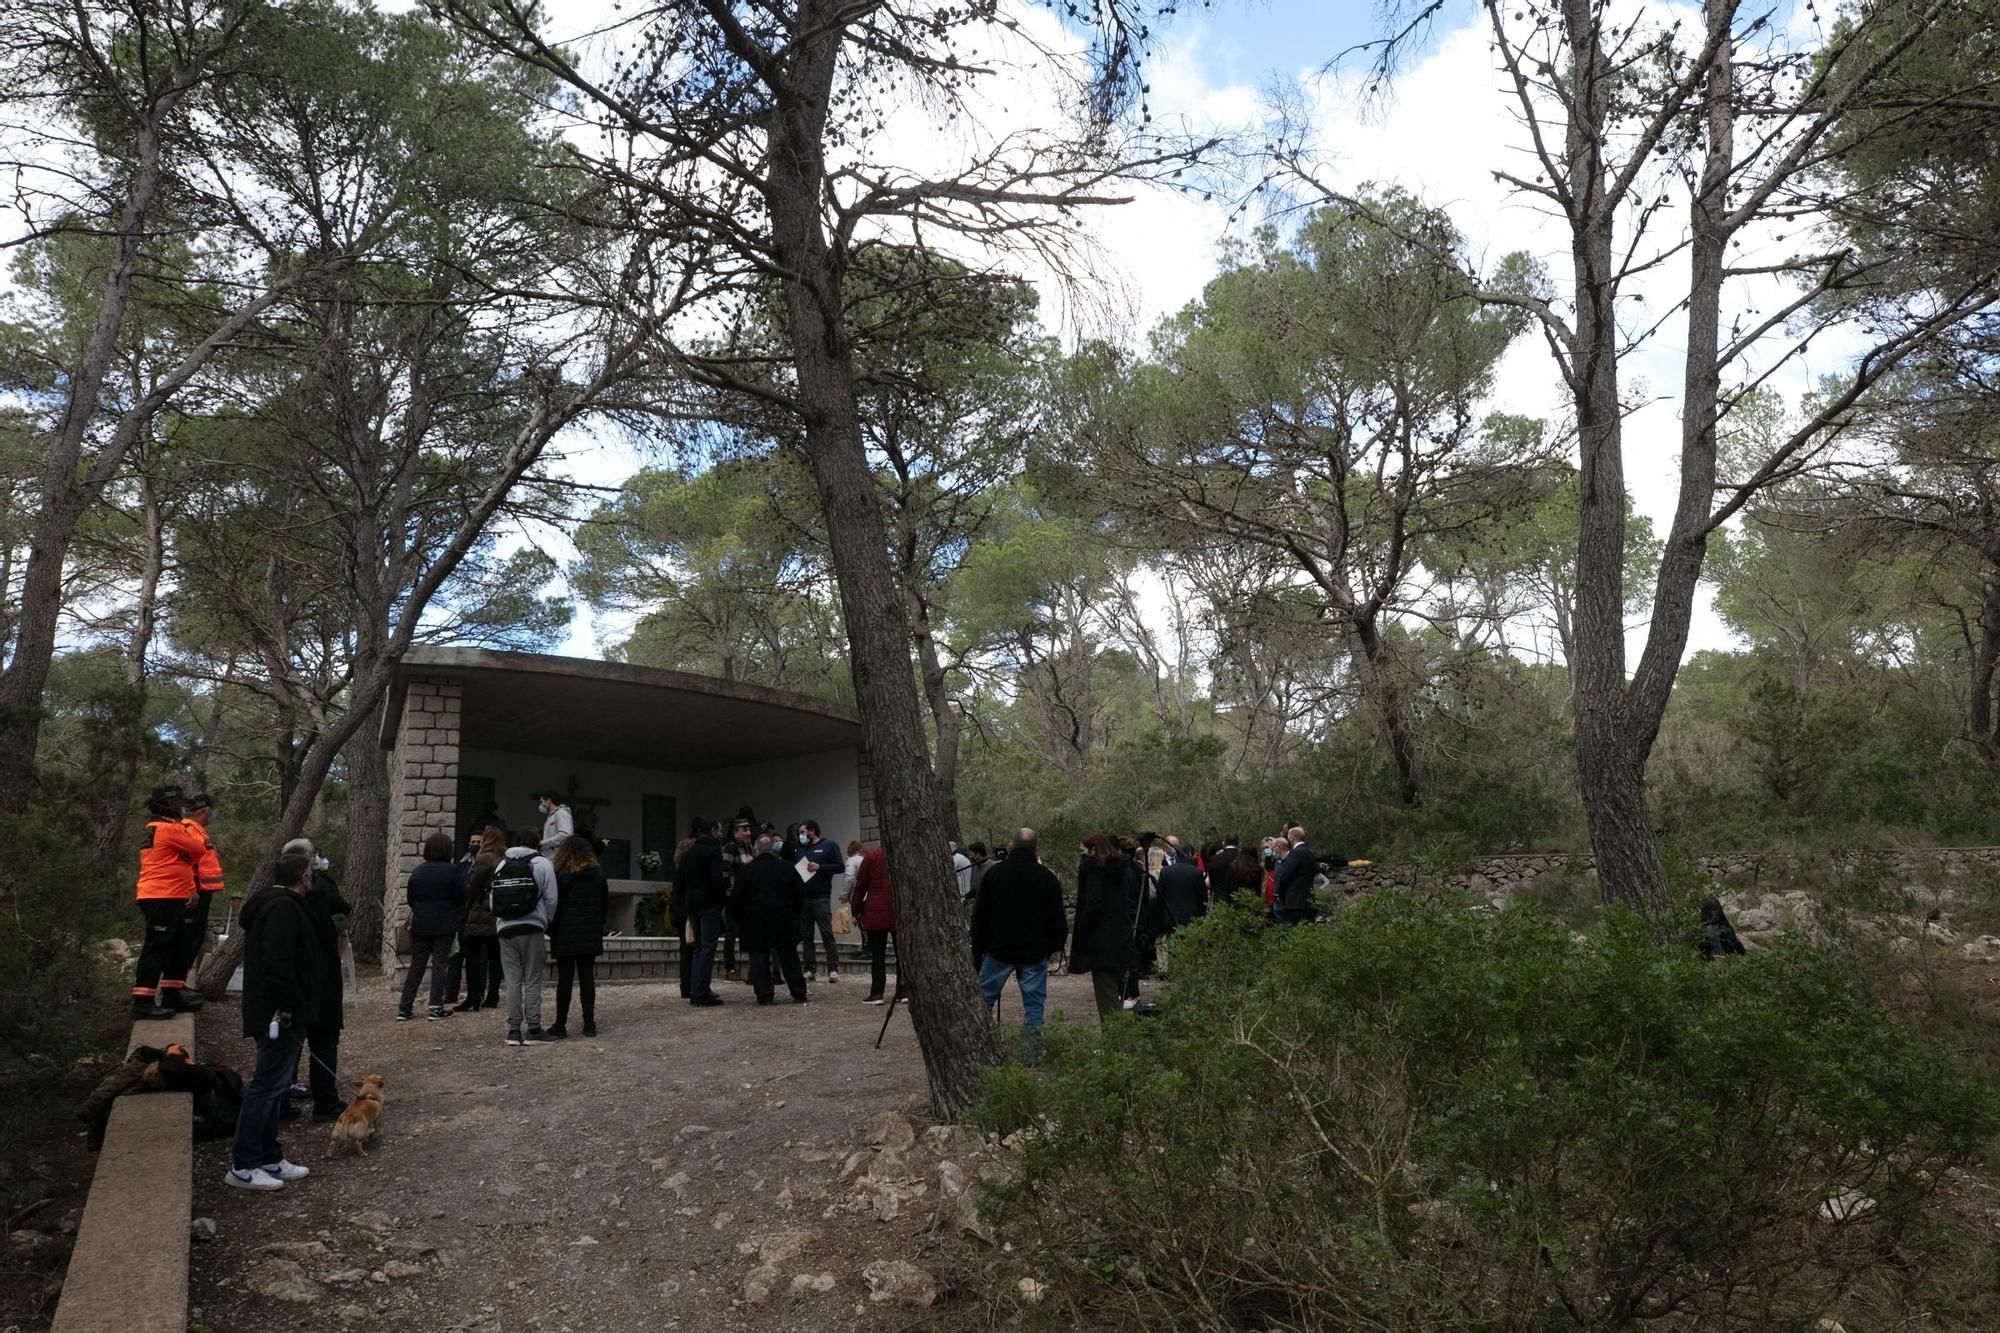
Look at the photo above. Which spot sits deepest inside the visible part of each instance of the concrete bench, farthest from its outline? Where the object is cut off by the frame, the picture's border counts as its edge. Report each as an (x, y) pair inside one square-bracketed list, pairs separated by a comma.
[(128, 1272)]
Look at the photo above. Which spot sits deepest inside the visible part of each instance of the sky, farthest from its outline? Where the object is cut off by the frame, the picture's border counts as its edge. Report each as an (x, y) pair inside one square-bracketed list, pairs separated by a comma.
[(1444, 125)]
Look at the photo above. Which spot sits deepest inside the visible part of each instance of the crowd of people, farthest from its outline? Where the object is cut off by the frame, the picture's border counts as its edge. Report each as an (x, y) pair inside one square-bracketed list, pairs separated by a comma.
[(486, 921)]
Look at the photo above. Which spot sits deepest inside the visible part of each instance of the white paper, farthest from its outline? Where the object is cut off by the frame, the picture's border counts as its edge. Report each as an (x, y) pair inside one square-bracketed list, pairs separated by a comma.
[(806, 868)]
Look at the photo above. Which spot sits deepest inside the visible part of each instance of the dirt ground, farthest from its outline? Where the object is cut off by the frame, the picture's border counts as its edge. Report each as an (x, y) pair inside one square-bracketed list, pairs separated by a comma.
[(736, 1168)]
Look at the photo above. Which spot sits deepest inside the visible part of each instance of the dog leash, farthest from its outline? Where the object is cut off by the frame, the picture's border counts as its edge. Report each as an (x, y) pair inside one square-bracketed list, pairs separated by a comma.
[(331, 1072)]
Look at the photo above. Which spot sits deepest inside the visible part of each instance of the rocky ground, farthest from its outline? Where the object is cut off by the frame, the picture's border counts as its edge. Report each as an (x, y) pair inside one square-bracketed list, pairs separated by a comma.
[(739, 1168)]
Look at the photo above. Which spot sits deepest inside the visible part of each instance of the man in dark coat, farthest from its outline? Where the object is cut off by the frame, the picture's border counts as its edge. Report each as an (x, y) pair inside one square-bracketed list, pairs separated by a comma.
[(701, 889), (1017, 923), (1101, 941), (1292, 900), (767, 902), (329, 912), (281, 991), (1222, 869), (1183, 892)]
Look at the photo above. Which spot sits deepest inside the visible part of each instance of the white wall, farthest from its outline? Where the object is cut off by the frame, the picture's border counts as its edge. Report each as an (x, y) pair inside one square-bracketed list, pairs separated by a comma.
[(516, 777), (824, 786)]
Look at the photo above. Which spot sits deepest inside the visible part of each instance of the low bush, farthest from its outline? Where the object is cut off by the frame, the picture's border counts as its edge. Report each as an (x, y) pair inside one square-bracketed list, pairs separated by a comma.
[(1427, 1118)]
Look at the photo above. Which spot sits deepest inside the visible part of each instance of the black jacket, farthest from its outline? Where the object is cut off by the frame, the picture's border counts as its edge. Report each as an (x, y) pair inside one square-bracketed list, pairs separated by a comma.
[(437, 899), (328, 911), (765, 902), (1102, 939), (1293, 888), (701, 882), (1183, 892), (583, 897), (1221, 869), (281, 961), (1017, 914)]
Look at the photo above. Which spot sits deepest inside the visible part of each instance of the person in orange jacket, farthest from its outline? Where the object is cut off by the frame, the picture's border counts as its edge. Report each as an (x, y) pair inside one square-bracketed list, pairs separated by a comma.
[(170, 850), (207, 884)]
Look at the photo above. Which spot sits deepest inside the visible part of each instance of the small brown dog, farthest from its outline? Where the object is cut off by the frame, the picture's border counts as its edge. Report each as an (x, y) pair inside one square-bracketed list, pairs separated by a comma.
[(361, 1121)]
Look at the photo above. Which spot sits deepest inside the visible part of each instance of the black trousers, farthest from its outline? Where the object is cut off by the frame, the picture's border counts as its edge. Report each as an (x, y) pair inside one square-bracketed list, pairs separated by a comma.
[(161, 949), (707, 933), (481, 956), (583, 972), (777, 952), (194, 934), (878, 961), (322, 1064), (434, 950)]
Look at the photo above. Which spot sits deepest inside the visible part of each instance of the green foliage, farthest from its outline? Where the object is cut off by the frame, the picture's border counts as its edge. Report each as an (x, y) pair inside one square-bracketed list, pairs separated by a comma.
[(1427, 1118)]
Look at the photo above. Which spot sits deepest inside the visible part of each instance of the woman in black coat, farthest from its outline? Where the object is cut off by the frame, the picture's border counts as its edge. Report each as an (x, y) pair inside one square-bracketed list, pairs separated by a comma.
[(437, 909), (576, 935), (1101, 940)]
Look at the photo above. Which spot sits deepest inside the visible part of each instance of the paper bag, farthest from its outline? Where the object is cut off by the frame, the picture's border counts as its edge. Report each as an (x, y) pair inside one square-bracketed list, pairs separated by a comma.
[(843, 919)]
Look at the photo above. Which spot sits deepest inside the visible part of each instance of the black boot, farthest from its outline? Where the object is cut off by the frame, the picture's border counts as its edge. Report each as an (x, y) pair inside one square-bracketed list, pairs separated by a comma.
[(180, 1001), (145, 1008)]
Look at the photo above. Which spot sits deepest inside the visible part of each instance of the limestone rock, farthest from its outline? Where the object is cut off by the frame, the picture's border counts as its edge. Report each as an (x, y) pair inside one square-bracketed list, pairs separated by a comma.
[(1846, 1205), (953, 1140), (346, 1277), (1985, 949), (779, 1246), (37, 1249), (900, 1282), (282, 1280), (757, 1286), (373, 1221), (293, 1249), (1031, 1291), (805, 1282), (202, 1229), (402, 1268), (891, 1133)]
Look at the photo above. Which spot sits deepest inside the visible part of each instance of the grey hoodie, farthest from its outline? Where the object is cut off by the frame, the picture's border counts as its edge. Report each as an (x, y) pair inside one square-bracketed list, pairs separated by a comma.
[(545, 906)]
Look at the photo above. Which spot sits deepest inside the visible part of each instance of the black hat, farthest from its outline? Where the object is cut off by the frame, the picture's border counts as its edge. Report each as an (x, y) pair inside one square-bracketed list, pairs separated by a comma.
[(201, 800), (167, 800)]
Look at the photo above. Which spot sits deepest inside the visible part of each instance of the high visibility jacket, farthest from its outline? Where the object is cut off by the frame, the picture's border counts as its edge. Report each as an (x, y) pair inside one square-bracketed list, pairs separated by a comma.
[(169, 852), (208, 869)]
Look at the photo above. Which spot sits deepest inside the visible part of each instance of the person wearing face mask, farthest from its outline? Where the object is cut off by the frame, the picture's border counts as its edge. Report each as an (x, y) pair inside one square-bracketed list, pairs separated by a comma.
[(557, 824)]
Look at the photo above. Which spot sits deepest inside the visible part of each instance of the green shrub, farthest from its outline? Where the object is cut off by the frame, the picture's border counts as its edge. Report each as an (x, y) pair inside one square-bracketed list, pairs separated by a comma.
[(1427, 1118)]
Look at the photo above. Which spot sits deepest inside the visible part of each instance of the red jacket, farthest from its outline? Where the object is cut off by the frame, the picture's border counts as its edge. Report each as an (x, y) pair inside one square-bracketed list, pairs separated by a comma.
[(873, 907)]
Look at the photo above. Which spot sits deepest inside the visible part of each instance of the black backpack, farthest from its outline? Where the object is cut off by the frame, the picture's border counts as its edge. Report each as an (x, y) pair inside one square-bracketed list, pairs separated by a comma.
[(514, 890)]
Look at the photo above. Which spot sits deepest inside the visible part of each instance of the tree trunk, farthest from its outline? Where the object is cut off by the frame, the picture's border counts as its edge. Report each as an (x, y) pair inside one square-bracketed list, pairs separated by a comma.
[(944, 719), (365, 698), (1629, 868), (1383, 676), (117, 804), (361, 871), (1985, 661), (952, 1029)]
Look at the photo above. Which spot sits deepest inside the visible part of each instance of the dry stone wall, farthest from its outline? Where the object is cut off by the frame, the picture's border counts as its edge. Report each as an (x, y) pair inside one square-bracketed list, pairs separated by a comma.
[(1501, 875)]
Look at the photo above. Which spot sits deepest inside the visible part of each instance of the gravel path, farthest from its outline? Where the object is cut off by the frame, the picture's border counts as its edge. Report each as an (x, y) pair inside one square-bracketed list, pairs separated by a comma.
[(738, 1168)]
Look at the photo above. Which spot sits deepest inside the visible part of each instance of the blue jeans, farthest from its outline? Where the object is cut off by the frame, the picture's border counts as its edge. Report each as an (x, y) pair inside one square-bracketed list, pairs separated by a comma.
[(707, 931), (263, 1098), (1033, 980)]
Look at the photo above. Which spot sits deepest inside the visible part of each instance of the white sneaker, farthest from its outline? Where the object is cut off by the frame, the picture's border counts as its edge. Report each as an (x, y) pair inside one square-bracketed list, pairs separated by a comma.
[(1130, 1005), (256, 1178), (285, 1170), (833, 978)]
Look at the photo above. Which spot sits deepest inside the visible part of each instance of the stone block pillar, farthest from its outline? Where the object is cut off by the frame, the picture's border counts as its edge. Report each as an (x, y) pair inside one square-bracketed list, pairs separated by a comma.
[(423, 776)]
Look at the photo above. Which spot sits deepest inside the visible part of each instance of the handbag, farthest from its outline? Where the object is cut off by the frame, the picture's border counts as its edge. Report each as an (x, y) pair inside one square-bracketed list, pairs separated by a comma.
[(404, 944), (687, 932), (843, 920)]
